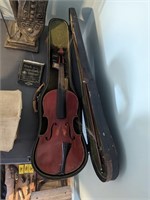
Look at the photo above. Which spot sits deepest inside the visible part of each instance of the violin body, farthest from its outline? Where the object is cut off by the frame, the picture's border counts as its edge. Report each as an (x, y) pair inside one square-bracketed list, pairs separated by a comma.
[(60, 139)]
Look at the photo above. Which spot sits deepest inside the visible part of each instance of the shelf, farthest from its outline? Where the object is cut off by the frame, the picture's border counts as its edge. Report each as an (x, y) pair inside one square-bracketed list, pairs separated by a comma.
[(28, 126)]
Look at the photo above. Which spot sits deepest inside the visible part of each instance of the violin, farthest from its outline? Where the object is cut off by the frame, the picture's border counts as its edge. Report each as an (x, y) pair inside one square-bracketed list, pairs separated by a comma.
[(60, 150)]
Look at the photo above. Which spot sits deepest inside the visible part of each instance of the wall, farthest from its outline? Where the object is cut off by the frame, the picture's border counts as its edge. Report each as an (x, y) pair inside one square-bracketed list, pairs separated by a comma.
[(117, 41)]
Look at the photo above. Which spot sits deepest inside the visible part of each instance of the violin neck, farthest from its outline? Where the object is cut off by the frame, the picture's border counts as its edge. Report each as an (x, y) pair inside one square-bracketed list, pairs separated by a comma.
[(61, 93)]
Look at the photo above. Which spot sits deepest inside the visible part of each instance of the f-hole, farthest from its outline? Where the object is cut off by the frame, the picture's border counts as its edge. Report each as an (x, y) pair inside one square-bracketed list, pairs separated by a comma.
[(44, 125)]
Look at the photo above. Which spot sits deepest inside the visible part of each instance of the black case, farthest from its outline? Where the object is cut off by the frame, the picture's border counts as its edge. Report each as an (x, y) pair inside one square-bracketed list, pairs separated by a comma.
[(100, 145)]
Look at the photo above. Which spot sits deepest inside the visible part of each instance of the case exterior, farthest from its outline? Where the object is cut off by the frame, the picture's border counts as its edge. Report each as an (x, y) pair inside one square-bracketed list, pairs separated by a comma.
[(102, 148)]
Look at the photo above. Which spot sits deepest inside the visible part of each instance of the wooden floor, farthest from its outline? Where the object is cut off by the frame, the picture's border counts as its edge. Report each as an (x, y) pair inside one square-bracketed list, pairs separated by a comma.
[(60, 193), (54, 190)]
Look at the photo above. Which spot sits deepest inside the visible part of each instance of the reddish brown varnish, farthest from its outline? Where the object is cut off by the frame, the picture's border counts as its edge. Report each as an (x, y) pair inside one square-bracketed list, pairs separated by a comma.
[(48, 155)]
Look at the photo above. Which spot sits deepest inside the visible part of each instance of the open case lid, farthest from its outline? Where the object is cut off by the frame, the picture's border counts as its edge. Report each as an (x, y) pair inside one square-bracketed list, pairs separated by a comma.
[(102, 149)]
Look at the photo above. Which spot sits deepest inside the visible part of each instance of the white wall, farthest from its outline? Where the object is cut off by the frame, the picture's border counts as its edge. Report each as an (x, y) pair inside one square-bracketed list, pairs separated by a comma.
[(118, 44)]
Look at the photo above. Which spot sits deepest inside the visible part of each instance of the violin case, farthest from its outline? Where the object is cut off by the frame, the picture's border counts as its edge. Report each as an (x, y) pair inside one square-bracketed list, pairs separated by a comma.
[(99, 143)]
